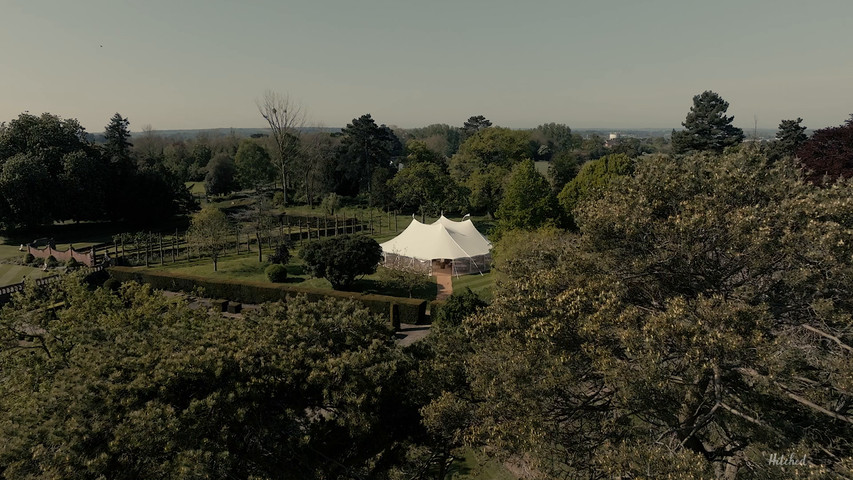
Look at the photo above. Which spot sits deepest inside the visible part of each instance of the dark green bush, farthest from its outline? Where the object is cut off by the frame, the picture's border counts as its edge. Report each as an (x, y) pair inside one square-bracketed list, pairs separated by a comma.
[(456, 308), (277, 273), (341, 259), (72, 264), (281, 255), (112, 284), (29, 258), (51, 262)]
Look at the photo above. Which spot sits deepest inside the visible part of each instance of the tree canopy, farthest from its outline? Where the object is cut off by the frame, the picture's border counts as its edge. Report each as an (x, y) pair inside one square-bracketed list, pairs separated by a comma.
[(700, 320), (707, 128), (828, 153), (132, 384), (528, 202)]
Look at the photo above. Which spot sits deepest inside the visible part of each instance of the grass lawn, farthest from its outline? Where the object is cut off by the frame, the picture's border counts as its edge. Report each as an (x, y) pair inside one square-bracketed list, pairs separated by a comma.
[(482, 285), (475, 465), (10, 274), (196, 188)]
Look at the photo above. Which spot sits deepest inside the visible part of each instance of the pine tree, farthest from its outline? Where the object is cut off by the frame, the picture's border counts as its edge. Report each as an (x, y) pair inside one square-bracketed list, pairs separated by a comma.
[(117, 134), (707, 128)]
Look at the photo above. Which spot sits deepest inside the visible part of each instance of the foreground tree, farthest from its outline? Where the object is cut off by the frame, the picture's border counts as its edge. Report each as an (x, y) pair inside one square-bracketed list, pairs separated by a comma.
[(699, 323), (131, 384), (209, 230), (342, 259), (707, 128)]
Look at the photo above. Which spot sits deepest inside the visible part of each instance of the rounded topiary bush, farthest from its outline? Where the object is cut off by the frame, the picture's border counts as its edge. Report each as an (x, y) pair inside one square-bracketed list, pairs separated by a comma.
[(51, 262), (29, 258), (112, 284), (276, 273), (72, 264)]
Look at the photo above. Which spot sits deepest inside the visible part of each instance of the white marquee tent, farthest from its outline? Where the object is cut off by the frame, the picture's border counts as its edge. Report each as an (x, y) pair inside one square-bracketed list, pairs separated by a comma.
[(444, 245)]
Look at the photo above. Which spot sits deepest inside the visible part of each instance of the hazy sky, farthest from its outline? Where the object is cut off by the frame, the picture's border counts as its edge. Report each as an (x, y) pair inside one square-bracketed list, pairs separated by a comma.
[(202, 64)]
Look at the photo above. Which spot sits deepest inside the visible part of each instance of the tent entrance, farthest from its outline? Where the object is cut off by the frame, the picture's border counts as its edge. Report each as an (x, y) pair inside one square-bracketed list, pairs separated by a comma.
[(442, 266)]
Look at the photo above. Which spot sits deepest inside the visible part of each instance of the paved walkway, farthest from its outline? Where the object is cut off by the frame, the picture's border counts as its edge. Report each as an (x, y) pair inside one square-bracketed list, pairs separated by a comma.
[(445, 285)]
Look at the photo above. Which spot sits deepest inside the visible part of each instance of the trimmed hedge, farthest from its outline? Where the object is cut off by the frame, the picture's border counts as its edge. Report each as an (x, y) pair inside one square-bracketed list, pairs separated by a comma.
[(396, 309)]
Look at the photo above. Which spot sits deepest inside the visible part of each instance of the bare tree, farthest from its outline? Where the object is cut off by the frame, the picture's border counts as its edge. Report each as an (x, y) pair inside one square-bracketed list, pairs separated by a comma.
[(285, 117)]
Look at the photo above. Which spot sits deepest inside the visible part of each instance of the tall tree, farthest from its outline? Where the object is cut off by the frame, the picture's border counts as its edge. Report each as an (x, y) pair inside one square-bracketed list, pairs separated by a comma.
[(790, 136), (528, 202), (253, 165), (425, 187), (286, 117), (117, 135), (365, 146), (707, 128), (220, 177), (474, 124)]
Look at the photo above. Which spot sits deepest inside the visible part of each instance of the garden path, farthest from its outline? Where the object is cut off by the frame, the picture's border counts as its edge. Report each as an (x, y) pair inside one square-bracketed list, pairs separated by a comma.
[(445, 285)]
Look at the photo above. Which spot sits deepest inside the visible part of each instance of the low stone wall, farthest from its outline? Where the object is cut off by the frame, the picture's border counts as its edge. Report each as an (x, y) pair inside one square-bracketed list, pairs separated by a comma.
[(86, 257)]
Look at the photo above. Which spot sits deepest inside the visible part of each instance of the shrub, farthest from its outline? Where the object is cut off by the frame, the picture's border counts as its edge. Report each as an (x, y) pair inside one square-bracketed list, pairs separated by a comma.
[(278, 198), (456, 308), (29, 258), (281, 255), (276, 273), (51, 262), (341, 259), (72, 264), (112, 284)]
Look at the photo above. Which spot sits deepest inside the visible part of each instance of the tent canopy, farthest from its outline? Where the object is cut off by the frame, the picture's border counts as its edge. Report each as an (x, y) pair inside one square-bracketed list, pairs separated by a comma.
[(442, 239)]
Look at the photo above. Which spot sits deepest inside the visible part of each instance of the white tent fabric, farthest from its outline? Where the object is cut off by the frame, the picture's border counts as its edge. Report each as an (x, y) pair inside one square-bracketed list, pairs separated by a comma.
[(442, 239)]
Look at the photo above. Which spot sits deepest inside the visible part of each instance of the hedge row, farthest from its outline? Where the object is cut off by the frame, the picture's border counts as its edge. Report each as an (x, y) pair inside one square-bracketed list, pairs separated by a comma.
[(396, 309)]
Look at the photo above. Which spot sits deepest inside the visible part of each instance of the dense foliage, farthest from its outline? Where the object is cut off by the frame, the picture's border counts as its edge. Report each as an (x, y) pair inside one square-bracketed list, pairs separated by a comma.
[(828, 153), (700, 322), (342, 259), (132, 385), (50, 170)]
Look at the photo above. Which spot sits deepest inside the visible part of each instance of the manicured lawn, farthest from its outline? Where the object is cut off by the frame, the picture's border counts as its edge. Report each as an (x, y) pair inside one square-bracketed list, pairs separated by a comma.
[(10, 251), (482, 285), (10, 274)]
